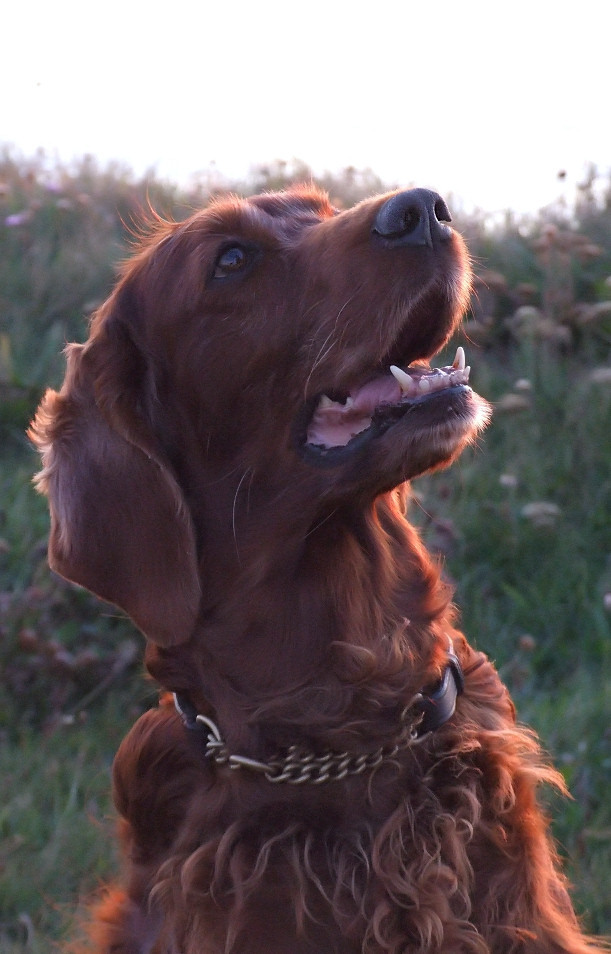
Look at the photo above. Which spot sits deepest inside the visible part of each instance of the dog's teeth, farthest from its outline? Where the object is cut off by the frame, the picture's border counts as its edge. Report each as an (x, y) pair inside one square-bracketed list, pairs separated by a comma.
[(459, 359), (467, 372), (424, 385), (403, 380), (325, 401)]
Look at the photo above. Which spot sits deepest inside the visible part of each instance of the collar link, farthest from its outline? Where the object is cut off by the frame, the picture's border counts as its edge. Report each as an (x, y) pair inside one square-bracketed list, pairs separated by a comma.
[(427, 711)]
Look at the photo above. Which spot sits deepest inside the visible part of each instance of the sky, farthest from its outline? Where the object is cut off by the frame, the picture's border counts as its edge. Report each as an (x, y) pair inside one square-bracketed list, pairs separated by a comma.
[(485, 101)]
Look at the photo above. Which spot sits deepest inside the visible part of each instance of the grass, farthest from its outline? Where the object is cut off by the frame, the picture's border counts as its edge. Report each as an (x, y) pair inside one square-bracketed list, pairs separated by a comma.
[(56, 820), (521, 522)]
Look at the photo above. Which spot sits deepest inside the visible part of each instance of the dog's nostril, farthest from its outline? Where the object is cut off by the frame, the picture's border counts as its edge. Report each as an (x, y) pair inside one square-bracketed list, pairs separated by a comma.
[(442, 213), (415, 217), (411, 220)]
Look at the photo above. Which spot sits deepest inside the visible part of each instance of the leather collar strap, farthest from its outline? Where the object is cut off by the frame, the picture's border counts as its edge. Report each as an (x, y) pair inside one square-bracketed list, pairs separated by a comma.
[(438, 706), (428, 711)]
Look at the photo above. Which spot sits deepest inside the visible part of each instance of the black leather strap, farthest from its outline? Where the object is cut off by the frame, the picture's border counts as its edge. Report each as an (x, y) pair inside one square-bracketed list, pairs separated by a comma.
[(186, 709), (438, 706)]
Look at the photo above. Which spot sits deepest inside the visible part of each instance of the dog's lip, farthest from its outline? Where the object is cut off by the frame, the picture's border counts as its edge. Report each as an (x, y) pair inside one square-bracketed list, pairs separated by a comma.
[(337, 423), (384, 420)]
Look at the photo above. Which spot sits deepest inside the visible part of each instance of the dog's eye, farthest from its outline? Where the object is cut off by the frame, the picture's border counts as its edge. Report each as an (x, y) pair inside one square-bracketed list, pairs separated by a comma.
[(230, 261)]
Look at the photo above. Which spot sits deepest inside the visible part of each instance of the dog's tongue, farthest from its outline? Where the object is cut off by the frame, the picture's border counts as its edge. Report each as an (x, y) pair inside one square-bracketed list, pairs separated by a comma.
[(334, 424), (383, 389)]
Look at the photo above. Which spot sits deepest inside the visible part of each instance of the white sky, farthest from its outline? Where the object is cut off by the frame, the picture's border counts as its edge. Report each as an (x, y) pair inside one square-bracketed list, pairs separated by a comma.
[(484, 100)]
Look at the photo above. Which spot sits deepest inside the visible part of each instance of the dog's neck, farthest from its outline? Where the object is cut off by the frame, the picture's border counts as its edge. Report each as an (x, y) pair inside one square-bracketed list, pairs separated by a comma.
[(271, 661)]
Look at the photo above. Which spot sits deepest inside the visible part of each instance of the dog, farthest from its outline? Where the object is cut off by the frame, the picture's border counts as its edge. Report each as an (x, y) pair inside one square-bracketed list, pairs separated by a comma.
[(332, 769)]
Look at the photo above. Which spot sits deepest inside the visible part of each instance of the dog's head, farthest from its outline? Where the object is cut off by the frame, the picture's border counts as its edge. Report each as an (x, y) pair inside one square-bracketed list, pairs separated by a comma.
[(261, 363)]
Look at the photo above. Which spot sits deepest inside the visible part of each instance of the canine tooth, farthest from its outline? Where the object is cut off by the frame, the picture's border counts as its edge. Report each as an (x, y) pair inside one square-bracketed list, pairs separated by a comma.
[(403, 380), (459, 359), (325, 401)]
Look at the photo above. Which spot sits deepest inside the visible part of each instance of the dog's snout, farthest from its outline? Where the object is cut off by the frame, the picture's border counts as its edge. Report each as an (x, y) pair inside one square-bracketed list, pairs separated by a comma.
[(415, 217)]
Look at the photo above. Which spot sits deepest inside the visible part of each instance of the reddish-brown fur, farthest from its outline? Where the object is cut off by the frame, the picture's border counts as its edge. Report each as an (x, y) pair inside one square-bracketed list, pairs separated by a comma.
[(290, 600)]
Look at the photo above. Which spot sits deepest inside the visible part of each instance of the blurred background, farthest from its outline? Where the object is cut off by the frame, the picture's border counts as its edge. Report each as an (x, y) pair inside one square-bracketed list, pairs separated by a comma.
[(501, 107)]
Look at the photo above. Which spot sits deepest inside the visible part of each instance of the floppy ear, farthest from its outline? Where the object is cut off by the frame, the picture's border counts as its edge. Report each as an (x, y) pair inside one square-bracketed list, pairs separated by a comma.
[(119, 524)]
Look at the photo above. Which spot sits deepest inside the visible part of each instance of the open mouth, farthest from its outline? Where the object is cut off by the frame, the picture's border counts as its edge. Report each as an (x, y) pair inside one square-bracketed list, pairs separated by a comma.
[(380, 402)]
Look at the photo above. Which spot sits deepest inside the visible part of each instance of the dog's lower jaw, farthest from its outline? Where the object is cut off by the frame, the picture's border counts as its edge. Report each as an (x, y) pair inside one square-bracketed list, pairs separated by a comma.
[(427, 436), (434, 444)]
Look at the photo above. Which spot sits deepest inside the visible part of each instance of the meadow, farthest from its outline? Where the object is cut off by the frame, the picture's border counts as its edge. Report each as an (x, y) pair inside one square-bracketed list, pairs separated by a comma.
[(522, 522)]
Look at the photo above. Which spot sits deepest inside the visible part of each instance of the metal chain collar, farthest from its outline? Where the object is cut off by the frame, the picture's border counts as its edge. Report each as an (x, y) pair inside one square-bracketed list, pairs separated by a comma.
[(425, 712), (298, 767)]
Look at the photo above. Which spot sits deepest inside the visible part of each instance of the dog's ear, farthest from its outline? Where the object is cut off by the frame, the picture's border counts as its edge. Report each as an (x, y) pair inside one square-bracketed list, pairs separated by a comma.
[(119, 523)]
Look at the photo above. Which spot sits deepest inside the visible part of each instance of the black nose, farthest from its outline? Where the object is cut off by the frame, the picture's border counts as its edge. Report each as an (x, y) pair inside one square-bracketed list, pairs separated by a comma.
[(416, 217)]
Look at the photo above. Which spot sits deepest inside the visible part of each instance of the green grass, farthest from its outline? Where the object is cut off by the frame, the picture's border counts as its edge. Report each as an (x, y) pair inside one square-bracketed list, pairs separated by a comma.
[(522, 523), (56, 821)]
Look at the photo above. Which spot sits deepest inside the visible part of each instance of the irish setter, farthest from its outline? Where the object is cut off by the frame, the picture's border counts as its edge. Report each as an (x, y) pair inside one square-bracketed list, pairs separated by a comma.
[(332, 768)]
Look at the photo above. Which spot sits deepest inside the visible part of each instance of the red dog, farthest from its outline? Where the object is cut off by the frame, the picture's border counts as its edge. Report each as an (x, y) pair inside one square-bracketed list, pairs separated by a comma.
[(226, 461)]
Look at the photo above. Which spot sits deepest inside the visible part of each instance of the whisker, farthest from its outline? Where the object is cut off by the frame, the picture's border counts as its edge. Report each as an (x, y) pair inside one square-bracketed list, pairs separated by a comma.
[(323, 350), (234, 508)]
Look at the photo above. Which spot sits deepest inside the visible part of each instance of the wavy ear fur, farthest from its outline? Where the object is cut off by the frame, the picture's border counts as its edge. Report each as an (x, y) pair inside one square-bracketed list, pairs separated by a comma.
[(119, 524)]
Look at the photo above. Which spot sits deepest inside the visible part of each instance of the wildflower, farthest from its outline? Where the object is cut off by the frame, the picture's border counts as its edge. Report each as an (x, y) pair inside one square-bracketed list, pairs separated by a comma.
[(525, 319), (587, 314), (18, 218), (600, 376), (512, 403), (541, 513), (527, 293), (530, 322), (510, 481)]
